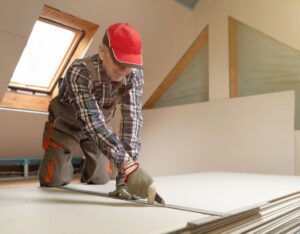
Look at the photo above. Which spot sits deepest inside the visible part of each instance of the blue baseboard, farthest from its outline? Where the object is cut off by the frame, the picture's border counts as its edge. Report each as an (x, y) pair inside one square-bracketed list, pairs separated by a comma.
[(26, 162), (29, 161)]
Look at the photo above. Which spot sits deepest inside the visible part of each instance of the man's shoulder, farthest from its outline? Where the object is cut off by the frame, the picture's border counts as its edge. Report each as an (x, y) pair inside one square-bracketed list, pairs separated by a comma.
[(78, 71), (135, 78), (139, 75), (81, 61), (78, 64), (138, 72)]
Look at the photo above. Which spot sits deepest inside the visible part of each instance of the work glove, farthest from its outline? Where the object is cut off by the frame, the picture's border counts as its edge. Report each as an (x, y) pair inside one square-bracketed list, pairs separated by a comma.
[(123, 194), (138, 184), (121, 191)]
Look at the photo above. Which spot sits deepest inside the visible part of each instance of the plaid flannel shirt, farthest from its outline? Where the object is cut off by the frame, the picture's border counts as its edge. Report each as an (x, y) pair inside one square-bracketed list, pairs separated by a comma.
[(91, 97)]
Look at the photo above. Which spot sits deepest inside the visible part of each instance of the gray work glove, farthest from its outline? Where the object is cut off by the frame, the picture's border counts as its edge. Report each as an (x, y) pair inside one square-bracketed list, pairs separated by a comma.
[(138, 182), (121, 191), (123, 194)]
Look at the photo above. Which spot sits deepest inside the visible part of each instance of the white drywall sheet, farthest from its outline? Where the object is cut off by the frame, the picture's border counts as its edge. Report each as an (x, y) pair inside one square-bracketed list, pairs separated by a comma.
[(252, 134), (48, 211), (52, 210), (224, 191), (217, 192)]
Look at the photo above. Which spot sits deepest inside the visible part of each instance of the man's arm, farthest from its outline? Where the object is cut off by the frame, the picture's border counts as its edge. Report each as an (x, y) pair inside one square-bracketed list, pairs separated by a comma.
[(132, 120), (88, 111), (139, 182)]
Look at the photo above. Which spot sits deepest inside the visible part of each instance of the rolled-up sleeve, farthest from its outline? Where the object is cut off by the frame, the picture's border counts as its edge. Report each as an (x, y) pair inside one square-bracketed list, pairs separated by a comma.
[(89, 113)]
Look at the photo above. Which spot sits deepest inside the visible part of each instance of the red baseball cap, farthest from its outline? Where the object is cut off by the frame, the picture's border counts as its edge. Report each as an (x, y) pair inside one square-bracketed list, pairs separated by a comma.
[(125, 44)]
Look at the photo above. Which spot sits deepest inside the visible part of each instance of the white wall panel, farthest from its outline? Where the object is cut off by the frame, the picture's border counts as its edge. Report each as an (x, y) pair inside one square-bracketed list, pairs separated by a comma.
[(250, 134), (20, 139)]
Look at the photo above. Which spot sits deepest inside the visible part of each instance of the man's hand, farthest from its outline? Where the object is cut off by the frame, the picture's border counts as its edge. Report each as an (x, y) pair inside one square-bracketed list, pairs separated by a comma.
[(138, 183), (123, 194), (121, 191)]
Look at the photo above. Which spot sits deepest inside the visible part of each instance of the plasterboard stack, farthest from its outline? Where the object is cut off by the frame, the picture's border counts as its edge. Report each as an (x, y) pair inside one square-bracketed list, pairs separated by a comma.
[(277, 216)]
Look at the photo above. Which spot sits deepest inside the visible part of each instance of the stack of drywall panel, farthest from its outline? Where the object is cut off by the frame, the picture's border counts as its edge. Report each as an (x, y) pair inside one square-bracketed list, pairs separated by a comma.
[(278, 216)]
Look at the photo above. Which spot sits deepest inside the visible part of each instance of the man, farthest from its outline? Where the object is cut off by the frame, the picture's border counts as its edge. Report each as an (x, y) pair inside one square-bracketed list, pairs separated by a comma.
[(81, 111)]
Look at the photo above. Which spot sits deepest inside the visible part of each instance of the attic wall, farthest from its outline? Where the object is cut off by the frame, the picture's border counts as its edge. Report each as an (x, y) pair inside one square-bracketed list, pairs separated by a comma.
[(275, 18), (17, 138), (237, 135)]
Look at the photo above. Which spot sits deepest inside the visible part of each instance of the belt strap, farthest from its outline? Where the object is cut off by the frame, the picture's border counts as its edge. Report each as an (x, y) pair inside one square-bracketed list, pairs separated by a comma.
[(89, 65)]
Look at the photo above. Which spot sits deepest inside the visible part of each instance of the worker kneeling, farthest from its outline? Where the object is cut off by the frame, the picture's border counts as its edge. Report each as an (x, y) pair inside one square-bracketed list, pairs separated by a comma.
[(80, 113)]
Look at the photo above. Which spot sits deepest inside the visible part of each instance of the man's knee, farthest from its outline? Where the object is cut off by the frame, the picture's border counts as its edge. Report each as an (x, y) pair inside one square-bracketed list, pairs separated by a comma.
[(56, 168), (53, 183), (56, 138), (96, 177), (99, 181), (95, 166)]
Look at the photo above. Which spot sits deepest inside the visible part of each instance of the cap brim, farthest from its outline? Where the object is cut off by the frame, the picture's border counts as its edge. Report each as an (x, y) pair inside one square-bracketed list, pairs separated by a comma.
[(129, 60)]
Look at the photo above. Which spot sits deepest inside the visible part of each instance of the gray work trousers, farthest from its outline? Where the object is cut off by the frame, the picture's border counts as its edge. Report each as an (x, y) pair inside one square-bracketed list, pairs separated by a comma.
[(61, 134)]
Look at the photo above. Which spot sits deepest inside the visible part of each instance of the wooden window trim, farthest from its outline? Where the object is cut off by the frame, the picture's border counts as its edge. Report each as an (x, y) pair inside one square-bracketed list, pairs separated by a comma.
[(62, 66), (32, 102), (233, 77), (200, 41), (24, 101)]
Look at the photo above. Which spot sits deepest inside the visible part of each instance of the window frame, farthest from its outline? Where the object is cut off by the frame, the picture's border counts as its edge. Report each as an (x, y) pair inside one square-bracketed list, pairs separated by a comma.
[(24, 97), (62, 66)]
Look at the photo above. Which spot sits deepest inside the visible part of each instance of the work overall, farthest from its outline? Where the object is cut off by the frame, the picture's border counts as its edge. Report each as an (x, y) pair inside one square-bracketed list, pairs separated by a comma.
[(63, 131)]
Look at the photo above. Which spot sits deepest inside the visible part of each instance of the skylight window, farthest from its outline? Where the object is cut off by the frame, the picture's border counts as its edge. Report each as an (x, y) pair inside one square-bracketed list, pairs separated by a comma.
[(57, 39), (45, 50), (43, 54)]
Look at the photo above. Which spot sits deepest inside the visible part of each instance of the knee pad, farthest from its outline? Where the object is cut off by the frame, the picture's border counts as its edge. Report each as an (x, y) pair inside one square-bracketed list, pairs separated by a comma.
[(56, 168)]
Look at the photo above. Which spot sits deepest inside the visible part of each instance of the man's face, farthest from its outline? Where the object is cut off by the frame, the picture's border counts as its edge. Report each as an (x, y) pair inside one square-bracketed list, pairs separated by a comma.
[(114, 71)]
